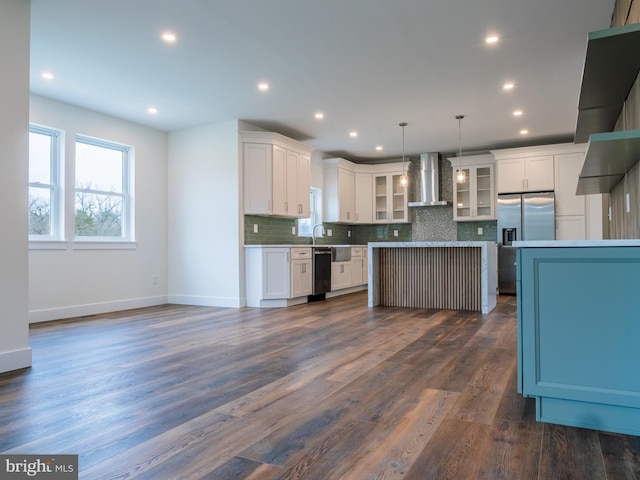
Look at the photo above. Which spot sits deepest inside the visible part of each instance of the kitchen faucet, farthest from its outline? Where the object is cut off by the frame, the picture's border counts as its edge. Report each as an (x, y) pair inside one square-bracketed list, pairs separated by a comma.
[(313, 232)]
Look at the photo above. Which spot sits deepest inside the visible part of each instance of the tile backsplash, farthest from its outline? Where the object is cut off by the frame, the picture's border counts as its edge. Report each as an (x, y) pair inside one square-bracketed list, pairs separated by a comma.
[(468, 231), (278, 231), (430, 224)]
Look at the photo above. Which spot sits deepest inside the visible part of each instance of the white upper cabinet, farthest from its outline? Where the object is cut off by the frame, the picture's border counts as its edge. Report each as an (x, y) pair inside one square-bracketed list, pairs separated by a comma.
[(524, 172), (364, 198), (567, 170), (357, 193), (474, 199), (390, 198), (276, 175), (339, 191)]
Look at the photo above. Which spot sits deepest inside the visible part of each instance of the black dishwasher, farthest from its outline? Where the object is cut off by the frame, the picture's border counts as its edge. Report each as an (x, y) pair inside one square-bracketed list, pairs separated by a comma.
[(321, 270)]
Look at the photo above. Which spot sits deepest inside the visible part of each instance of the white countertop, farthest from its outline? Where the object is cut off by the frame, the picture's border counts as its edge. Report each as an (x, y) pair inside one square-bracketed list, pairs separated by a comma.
[(575, 243), (429, 244)]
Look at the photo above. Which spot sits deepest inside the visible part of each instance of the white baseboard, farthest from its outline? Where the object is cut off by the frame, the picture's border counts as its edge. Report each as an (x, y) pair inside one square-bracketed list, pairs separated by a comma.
[(45, 315), (15, 359), (201, 301)]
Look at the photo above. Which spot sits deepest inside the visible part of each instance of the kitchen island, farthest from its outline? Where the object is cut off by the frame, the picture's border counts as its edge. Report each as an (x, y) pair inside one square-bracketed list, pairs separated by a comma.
[(578, 332), (444, 275)]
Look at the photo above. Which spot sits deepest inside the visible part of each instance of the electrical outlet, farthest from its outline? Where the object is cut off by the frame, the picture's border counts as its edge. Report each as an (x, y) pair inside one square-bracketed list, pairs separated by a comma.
[(329, 233), (479, 230), (293, 230), (395, 233), (154, 279), (255, 228), (349, 233)]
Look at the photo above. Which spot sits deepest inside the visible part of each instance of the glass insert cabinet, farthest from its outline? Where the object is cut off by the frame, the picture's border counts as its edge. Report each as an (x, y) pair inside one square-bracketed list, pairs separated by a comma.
[(390, 198), (474, 196)]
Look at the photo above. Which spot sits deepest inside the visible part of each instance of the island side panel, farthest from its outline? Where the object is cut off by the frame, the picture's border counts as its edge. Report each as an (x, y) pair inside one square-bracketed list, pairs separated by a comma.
[(579, 330), (430, 277), (374, 276)]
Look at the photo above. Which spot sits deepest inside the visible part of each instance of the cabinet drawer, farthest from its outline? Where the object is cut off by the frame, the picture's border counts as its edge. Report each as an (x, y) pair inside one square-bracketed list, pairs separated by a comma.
[(300, 252), (356, 252)]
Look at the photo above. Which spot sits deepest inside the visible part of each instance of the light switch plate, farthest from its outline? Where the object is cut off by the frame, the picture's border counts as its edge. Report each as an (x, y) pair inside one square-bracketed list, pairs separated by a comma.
[(479, 230), (395, 233), (293, 230), (255, 228), (329, 232)]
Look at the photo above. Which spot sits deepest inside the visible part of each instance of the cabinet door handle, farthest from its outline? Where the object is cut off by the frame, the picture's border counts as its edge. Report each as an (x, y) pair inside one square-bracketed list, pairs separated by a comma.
[(286, 206)]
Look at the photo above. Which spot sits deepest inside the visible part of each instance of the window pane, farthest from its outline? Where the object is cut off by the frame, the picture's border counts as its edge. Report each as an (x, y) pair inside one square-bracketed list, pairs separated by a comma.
[(98, 168), (98, 215), (39, 158), (39, 211)]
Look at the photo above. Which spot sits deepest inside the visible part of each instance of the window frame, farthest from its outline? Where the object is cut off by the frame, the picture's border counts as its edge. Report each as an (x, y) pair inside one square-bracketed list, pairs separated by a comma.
[(127, 237), (315, 214), (55, 238)]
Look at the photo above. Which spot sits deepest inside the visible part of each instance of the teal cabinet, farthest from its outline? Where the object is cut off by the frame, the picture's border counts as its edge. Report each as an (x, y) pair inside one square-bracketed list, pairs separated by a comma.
[(579, 334)]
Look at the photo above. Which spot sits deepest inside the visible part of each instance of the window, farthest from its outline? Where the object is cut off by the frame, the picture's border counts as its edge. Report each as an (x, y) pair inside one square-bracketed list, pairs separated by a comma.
[(45, 203), (103, 200), (305, 225)]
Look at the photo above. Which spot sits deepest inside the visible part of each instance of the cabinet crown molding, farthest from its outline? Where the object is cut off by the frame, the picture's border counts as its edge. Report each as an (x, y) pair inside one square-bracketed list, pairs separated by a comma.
[(391, 167), (554, 149), (277, 139), (471, 160)]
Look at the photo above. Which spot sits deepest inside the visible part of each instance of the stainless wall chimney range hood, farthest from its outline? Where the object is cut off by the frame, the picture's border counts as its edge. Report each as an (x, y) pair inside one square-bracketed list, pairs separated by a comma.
[(429, 180)]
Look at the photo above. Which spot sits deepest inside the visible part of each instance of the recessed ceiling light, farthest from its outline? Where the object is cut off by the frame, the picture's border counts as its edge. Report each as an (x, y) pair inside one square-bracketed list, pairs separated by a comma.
[(152, 110), (353, 134), (47, 75), (508, 86), (379, 148), (492, 39), (263, 86), (524, 131), (169, 37), (517, 113), (319, 115)]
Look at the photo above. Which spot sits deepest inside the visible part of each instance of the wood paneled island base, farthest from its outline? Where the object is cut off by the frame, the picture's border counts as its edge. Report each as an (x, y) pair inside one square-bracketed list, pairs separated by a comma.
[(443, 275)]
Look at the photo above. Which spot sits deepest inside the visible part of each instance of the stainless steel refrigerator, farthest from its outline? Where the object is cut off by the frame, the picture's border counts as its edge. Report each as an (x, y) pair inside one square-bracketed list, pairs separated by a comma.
[(521, 216)]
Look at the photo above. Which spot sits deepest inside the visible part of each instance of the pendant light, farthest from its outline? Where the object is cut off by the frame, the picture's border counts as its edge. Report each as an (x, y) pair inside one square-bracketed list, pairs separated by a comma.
[(460, 175), (404, 181)]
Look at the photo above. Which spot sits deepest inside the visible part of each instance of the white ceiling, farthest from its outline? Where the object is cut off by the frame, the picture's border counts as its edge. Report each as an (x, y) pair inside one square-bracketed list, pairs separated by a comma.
[(367, 64)]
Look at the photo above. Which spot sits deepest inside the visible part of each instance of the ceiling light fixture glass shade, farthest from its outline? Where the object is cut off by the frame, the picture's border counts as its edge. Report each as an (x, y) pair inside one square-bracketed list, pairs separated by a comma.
[(460, 175), (404, 180)]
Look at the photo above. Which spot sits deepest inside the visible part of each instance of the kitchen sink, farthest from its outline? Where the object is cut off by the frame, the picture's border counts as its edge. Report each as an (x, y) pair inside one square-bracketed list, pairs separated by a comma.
[(340, 253)]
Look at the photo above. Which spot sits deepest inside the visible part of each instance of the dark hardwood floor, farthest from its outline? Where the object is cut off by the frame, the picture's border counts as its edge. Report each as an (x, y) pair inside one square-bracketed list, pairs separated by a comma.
[(327, 390)]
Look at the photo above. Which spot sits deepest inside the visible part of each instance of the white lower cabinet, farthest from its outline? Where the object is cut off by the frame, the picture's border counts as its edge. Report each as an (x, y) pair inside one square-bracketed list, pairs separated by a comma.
[(301, 272), (277, 276), (340, 275), (570, 227), (357, 261), (280, 276)]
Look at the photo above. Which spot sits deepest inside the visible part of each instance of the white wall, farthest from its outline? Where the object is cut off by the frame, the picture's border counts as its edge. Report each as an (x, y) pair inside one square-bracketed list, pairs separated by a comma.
[(206, 259), (14, 126), (65, 283)]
